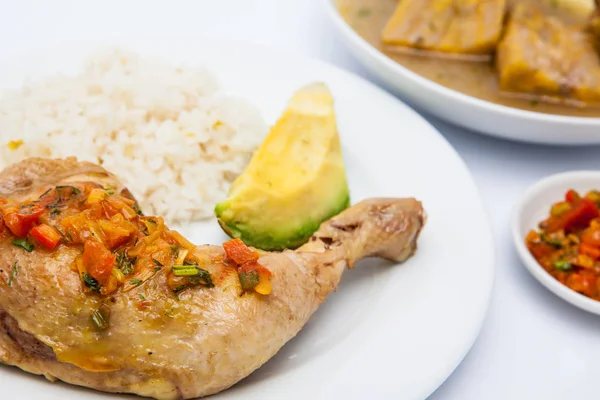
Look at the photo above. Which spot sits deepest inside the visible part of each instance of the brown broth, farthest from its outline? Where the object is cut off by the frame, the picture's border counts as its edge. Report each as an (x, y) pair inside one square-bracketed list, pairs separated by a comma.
[(476, 79)]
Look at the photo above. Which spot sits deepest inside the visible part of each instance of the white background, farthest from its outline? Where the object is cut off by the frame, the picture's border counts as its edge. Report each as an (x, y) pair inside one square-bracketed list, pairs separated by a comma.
[(533, 345)]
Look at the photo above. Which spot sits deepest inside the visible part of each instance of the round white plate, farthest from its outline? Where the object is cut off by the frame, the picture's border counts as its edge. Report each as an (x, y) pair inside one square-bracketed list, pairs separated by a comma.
[(389, 331), (533, 208), (466, 111)]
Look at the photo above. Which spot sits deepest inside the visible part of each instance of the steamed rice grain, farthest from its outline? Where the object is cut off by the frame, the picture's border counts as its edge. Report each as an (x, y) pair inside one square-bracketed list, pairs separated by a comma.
[(170, 133)]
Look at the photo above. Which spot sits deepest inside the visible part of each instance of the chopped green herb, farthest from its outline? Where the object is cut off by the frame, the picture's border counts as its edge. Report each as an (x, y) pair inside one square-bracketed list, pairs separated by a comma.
[(364, 12), (61, 234), (14, 273), (54, 212), (90, 282), (46, 192), (551, 241), (157, 262), (137, 209), (534, 103), (184, 270), (27, 209), (100, 319), (124, 263), (563, 265), (73, 189), (24, 243), (110, 191), (169, 312), (54, 205), (248, 280), (136, 282), (198, 275), (157, 269), (142, 297), (179, 288)]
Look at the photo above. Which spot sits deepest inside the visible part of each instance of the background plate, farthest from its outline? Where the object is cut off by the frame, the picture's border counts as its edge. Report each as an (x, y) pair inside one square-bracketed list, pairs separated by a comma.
[(389, 331)]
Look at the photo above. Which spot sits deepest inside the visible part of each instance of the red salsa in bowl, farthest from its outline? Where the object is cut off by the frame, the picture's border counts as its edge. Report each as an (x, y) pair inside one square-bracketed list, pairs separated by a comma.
[(567, 243)]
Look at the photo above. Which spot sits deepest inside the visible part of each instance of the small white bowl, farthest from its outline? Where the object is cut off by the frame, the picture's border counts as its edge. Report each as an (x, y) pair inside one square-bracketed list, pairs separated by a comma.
[(532, 209)]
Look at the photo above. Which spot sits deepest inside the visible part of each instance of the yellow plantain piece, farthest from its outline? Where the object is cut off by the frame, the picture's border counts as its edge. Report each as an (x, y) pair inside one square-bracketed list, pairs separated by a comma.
[(471, 27), (541, 56)]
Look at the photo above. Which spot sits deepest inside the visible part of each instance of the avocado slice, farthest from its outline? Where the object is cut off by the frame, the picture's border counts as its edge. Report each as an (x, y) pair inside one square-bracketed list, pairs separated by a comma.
[(295, 180)]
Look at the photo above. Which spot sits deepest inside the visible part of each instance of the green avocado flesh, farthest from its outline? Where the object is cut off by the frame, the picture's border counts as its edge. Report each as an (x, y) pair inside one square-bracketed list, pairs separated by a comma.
[(295, 180)]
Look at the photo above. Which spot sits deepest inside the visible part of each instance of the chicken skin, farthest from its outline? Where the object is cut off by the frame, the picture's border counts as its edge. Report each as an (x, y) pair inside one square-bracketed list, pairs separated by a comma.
[(142, 327)]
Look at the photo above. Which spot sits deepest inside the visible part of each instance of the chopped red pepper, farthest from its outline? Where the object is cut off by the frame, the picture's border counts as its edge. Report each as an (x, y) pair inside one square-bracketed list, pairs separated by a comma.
[(579, 216), (239, 253), (46, 235), (98, 261), (21, 221), (247, 261)]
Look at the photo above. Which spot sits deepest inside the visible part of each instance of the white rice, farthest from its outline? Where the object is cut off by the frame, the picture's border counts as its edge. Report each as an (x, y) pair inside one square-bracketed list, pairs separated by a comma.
[(170, 133)]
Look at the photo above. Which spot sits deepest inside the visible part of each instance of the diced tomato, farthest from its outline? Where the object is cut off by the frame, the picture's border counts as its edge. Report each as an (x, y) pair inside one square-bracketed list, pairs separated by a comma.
[(239, 253), (577, 217), (591, 236), (572, 196), (540, 250), (46, 235), (21, 221), (98, 261), (589, 250), (583, 283)]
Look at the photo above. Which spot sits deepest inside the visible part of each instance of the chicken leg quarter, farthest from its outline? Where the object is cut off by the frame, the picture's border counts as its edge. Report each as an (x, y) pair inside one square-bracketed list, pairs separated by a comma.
[(174, 347)]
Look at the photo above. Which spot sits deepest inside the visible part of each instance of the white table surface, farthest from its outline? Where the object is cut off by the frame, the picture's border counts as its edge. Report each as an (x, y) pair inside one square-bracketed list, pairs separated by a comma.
[(533, 345)]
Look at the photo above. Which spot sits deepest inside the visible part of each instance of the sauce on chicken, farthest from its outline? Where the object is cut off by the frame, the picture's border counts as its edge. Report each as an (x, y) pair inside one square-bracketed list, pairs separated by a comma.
[(120, 247)]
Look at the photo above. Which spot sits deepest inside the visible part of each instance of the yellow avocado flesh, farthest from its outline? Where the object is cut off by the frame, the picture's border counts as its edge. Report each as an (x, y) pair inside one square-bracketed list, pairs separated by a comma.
[(295, 180)]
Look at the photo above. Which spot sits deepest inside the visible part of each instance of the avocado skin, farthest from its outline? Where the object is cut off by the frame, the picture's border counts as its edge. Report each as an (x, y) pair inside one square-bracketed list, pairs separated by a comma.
[(258, 233)]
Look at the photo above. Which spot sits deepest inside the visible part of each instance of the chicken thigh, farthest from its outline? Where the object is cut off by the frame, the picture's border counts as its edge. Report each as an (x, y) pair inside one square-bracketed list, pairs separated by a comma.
[(140, 327)]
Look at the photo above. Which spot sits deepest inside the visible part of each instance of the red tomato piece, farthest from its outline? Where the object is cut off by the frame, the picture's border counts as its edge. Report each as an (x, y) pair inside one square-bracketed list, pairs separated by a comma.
[(239, 253), (572, 196), (591, 236), (579, 216), (46, 235), (98, 261), (21, 221)]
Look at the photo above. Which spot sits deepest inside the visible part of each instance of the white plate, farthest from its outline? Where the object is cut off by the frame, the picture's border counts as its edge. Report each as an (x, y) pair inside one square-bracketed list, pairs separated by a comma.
[(533, 208), (466, 111), (390, 331)]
